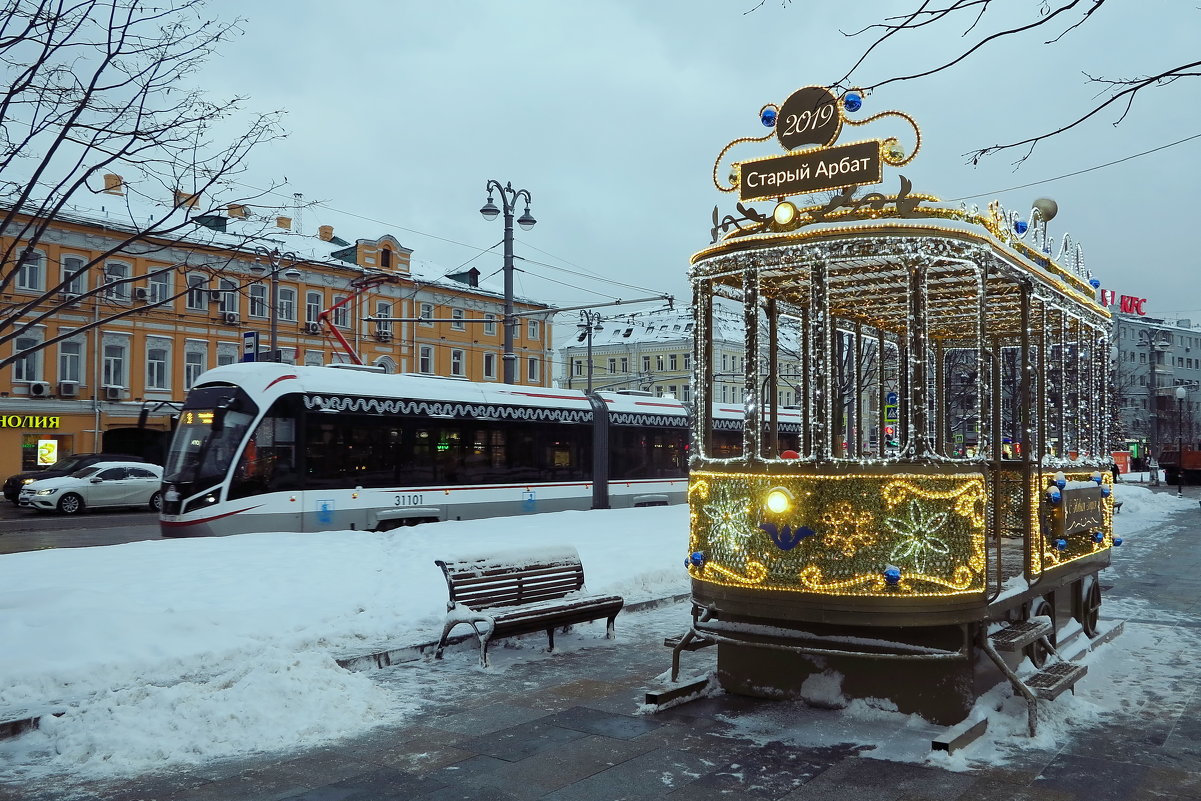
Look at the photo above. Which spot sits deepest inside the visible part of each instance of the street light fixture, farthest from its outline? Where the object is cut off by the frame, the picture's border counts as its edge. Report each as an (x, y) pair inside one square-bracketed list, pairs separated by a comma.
[(589, 321), (275, 259), (1152, 339), (508, 199)]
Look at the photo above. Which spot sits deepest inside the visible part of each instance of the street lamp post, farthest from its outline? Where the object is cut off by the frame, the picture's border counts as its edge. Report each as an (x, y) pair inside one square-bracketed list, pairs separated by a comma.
[(589, 322), (1154, 344), (508, 200), (275, 259), (1181, 394)]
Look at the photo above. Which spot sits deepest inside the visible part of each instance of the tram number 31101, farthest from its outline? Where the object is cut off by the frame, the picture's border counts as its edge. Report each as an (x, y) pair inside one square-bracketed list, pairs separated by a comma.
[(409, 500)]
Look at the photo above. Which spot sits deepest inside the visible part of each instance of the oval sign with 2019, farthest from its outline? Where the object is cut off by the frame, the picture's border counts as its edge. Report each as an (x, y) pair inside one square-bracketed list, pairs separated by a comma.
[(809, 117)]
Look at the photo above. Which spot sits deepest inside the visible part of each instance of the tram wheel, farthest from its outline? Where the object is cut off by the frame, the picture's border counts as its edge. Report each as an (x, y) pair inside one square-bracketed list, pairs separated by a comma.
[(1038, 652), (1090, 605)]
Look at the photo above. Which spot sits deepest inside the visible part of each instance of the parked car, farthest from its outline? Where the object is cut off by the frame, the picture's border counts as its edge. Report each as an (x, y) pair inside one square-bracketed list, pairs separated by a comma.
[(63, 467), (100, 485)]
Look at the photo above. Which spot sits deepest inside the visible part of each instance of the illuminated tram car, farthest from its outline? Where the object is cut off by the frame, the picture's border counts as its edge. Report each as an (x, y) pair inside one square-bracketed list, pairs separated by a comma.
[(950, 495), (275, 447)]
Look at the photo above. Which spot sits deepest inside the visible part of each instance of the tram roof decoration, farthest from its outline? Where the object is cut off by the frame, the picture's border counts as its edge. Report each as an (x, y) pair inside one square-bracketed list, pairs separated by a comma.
[(807, 125)]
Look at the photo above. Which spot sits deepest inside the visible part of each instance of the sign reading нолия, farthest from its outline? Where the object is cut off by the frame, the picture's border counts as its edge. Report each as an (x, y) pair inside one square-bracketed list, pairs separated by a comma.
[(810, 171)]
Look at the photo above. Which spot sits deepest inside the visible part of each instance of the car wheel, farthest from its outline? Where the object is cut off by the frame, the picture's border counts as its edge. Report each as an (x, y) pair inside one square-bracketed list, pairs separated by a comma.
[(70, 504), (156, 502)]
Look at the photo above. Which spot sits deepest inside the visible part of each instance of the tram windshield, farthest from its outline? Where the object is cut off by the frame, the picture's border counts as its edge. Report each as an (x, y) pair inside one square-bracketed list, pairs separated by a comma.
[(202, 450)]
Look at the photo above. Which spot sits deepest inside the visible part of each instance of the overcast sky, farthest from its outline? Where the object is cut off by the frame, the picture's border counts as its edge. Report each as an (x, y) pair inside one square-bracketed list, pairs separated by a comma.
[(612, 112)]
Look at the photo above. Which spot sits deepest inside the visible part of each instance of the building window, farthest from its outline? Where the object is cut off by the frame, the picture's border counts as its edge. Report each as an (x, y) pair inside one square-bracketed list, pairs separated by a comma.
[(532, 369), (612, 366), (577, 367), (687, 361), (425, 360), (341, 314), (725, 394), (287, 303), (117, 275), (659, 363), (427, 313), (671, 390), (313, 358), (456, 317), (159, 285), (532, 329), (646, 364), (28, 365), (312, 306), (725, 363), (70, 361), (114, 365), (229, 295), (456, 362), (383, 309), (75, 279), (687, 394), (198, 296), (227, 353), (29, 271), (625, 364), (193, 366), (490, 325), (490, 365), (385, 259), (158, 364), (258, 300), (672, 362)]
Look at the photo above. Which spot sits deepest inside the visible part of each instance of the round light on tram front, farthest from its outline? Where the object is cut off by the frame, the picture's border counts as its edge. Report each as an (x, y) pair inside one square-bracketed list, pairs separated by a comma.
[(778, 500), (785, 213)]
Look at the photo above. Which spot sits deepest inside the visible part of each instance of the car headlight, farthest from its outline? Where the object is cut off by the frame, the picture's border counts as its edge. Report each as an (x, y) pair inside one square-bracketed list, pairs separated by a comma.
[(46, 491), (28, 480)]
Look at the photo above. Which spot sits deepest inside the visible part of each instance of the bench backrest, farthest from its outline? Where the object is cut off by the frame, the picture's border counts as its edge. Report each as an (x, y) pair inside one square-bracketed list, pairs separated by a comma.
[(512, 578)]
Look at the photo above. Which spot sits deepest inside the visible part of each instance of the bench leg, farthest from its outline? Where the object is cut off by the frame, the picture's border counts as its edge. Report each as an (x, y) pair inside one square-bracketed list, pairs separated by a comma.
[(550, 640), (442, 642), (609, 633), (485, 638)]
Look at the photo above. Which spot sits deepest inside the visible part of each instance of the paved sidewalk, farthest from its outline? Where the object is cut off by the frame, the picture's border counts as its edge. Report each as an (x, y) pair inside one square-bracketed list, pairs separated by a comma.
[(567, 727)]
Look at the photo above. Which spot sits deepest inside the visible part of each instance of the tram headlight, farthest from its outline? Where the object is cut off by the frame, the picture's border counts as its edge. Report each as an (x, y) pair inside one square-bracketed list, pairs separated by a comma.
[(784, 213), (778, 500)]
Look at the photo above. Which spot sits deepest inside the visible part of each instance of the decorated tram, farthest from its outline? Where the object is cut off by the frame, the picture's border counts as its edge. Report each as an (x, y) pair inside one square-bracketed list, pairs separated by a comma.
[(946, 507)]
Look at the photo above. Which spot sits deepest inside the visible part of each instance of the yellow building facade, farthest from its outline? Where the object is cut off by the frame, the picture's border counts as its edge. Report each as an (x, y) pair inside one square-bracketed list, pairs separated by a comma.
[(138, 349)]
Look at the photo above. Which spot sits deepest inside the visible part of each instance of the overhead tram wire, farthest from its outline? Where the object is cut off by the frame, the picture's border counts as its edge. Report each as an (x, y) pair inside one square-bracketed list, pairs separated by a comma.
[(1077, 172), (481, 252)]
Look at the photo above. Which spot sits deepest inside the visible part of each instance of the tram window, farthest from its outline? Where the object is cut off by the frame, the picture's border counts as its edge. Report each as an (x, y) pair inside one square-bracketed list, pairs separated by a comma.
[(268, 462), (638, 453), (726, 444)]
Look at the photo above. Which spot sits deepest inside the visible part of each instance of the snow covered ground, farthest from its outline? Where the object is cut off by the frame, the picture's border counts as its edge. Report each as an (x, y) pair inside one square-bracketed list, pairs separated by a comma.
[(181, 651)]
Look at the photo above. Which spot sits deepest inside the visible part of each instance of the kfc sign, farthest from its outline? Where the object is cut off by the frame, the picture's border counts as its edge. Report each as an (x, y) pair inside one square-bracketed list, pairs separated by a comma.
[(1127, 304)]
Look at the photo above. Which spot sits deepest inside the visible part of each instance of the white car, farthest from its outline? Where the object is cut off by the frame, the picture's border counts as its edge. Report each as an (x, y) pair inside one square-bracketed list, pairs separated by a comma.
[(101, 485)]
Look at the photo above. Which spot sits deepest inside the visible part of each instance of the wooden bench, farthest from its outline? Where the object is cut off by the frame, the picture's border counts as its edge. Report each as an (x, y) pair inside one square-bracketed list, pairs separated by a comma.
[(518, 592)]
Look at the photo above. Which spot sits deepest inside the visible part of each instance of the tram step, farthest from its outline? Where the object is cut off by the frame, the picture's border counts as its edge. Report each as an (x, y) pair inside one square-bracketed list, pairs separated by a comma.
[(1017, 636), (1051, 682)]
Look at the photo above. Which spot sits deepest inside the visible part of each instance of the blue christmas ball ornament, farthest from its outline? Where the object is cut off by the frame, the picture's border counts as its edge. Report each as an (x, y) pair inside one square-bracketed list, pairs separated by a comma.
[(1020, 227), (1099, 536), (852, 102), (892, 575), (1061, 482), (1061, 545), (768, 117), (1105, 491), (1054, 495), (1095, 283), (697, 558), (1117, 542)]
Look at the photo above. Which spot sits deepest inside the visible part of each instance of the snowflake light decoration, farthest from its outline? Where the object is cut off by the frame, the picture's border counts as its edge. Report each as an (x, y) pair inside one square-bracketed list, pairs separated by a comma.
[(918, 543), (849, 530), (727, 511)]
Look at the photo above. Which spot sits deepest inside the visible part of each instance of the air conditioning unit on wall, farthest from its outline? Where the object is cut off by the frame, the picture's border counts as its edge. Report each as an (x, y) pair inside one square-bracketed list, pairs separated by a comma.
[(68, 389), (113, 393), (39, 389), (141, 293), (312, 328), (229, 318)]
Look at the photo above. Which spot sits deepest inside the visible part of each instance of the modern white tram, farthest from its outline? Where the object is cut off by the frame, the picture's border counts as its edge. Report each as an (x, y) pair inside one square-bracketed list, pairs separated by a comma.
[(277, 447)]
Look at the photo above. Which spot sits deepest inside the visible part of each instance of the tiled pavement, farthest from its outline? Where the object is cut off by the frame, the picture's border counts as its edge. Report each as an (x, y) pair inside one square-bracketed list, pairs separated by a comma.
[(566, 728)]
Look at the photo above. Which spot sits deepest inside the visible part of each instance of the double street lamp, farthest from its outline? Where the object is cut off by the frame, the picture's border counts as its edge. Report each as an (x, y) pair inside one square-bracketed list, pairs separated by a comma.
[(589, 321), (276, 260), (508, 200)]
